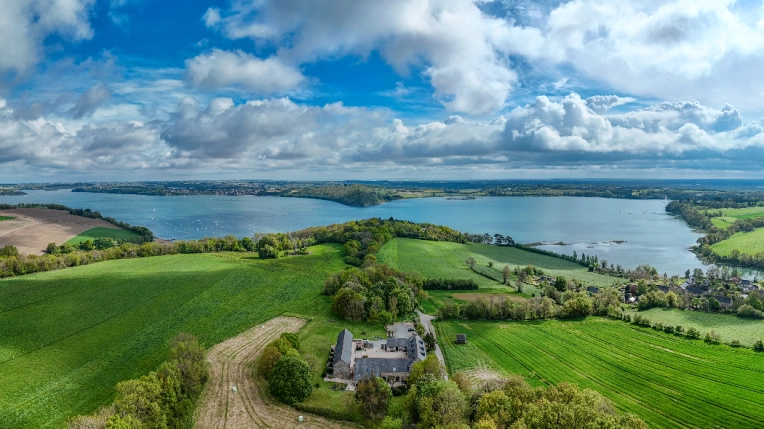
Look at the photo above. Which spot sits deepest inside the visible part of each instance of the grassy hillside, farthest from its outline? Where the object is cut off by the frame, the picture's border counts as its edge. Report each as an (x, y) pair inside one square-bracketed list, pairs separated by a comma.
[(728, 326), (437, 259), (69, 336), (745, 242), (93, 233), (667, 380)]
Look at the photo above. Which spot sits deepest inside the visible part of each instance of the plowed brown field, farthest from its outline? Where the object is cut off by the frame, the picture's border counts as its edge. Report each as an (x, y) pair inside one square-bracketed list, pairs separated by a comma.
[(33, 229), (230, 366)]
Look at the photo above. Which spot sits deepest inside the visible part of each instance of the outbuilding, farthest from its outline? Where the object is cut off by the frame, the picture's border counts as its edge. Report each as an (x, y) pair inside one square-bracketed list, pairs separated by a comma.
[(461, 338)]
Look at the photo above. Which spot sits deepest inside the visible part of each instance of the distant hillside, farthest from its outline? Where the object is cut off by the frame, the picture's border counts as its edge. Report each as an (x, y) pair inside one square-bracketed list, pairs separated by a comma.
[(350, 195)]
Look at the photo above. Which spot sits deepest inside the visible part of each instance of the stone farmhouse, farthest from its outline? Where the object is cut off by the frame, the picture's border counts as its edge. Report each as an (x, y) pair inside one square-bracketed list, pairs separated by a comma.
[(391, 359)]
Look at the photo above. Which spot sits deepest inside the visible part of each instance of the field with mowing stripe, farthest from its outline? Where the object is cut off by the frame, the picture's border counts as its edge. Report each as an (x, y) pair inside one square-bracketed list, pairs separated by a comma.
[(437, 259), (668, 381), (68, 337), (728, 326), (93, 233), (723, 222), (750, 243)]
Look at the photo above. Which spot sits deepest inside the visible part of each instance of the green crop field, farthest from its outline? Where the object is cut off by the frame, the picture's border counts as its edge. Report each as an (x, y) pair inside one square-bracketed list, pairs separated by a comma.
[(438, 259), (728, 326), (669, 381), (68, 337), (2, 218), (93, 233), (750, 243)]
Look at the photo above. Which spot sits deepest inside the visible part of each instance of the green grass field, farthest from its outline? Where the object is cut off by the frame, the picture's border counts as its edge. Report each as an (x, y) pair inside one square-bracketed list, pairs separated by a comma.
[(745, 242), (669, 381), (746, 213), (2, 218), (93, 233), (68, 337), (723, 222), (728, 326), (438, 259)]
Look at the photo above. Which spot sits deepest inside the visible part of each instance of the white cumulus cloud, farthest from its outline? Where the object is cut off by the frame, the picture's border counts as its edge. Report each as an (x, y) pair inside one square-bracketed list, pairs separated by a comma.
[(220, 69)]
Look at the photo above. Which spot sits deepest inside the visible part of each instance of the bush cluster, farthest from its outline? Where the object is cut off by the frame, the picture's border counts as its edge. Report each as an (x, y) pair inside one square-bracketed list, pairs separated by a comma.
[(288, 375), (376, 294)]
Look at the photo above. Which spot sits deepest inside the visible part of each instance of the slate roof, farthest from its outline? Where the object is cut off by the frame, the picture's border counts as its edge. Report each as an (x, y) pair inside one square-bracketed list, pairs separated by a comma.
[(378, 366), (416, 349), (592, 289), (344, 349), (396, 342), (461, 337)]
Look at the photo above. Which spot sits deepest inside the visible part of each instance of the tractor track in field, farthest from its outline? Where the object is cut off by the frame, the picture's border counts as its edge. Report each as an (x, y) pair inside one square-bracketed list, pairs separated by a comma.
[(249, 407)]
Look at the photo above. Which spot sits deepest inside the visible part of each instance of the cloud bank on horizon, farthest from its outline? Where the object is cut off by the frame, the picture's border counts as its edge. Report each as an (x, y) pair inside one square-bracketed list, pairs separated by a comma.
[(328, 89)]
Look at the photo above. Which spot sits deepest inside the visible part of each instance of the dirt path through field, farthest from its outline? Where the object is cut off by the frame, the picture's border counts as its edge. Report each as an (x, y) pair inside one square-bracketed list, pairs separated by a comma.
[(230, 365), (33, 229)]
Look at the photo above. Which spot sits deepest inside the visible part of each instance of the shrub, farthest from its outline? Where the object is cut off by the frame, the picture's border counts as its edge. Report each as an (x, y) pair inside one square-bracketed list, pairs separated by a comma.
[(267, 362), (713, 337), (758, 345), (736, 343), (291, 380), (679, 330), (693, 333), (746, 310), (668, 329), (293, 339)]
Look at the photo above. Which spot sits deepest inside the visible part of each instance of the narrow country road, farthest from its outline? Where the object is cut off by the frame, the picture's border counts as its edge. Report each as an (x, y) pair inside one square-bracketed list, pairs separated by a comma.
[(426, 321)]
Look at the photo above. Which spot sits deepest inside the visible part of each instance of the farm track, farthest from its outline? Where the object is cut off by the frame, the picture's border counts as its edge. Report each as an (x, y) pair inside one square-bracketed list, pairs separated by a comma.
[(249, 407)]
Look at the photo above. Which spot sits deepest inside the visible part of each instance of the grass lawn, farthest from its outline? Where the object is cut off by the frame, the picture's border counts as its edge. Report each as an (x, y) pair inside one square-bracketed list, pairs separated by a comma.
[(438, 259), (93, 233), (728, 326), (68, 337), (750, 243), (669, 381), (2, 218)]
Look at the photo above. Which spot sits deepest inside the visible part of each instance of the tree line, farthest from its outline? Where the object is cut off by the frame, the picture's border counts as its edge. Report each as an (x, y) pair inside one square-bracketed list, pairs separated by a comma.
[(164, 399)]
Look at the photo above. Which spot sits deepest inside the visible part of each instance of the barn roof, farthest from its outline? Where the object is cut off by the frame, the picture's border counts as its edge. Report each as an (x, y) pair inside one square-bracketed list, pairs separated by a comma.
[(378, 366), (344, 349)]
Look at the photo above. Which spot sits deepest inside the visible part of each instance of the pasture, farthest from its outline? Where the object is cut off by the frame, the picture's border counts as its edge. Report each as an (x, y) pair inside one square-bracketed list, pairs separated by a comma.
[(723, 222), (438, 259), (98, 232), (750, 243), (728, 326), (69, 336), (669, 381), (746, 213)]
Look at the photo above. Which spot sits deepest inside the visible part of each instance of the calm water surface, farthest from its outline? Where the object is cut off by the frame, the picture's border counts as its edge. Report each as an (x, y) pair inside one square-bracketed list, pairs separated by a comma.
[(586, 225)]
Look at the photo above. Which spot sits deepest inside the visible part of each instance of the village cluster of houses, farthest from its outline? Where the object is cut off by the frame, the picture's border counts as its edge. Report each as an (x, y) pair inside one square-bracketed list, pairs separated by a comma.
[(392, 358)]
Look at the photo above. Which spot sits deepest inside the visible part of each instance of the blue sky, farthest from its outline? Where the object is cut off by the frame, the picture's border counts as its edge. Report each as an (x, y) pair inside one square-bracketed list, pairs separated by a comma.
[(393, 89)]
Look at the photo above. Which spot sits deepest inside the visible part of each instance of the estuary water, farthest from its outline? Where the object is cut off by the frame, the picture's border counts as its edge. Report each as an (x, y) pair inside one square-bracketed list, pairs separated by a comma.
[(625, 232)]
